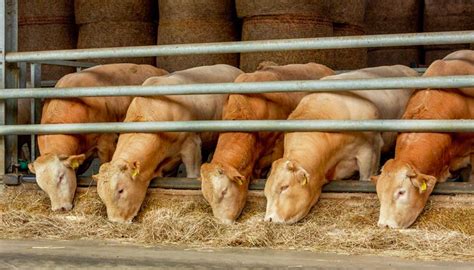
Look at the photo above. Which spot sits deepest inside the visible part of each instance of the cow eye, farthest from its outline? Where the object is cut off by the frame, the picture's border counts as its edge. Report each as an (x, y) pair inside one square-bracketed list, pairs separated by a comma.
[(283, 188), (120, 191), (61, 178), (401, 192)]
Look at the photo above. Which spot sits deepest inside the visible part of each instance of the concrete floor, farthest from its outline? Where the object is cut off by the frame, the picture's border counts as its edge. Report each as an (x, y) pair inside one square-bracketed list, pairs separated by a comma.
[(40, 254)]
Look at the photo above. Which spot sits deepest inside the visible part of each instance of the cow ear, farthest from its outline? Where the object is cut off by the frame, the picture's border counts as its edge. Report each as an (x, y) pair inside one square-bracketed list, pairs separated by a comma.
[(303, 176), (424, 182), (235, 176), (31, 167), (135, 169), (374, 179), (74, 161)]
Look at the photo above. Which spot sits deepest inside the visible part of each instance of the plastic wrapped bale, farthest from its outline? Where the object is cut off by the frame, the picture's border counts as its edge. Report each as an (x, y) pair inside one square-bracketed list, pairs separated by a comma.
[(47, 25), (183, 22), (408, 56)]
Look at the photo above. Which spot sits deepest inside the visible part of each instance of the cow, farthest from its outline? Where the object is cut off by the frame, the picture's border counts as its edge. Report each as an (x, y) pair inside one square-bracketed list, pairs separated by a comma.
[(239, 155), (423, 159), (62, 154), (311, 159), (122, 183)]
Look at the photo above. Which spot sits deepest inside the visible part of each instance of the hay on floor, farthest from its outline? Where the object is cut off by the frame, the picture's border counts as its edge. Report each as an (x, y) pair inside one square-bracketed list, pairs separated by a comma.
[(342, 225)]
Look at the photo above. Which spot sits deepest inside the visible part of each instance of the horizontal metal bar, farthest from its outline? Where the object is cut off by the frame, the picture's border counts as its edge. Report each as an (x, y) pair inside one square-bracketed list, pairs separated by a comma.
[(246, 126), (245, 88), (411, 39), (67, 63), (349, 186)]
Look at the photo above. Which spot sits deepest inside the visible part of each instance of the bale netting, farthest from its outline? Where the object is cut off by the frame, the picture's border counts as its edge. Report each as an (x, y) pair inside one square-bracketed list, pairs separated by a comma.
[(408, 56), (113, 23), (284, 27), (184, 22), (440, 15), (250, 8), (393, 16), (342, 224), (117, 34), (348, 11), (203, 9), (349, 58), (91, 11), (47, 25)]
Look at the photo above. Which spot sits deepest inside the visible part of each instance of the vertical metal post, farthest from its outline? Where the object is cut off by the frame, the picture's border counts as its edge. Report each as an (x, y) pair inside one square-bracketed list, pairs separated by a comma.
[(35, 106), (9, 79)]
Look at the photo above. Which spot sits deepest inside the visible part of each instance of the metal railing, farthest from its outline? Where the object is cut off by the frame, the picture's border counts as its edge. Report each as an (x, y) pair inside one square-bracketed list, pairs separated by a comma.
[(14, 89)]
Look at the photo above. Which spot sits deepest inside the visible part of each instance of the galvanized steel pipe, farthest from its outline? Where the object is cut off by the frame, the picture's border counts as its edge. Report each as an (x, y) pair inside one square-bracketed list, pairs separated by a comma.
[(245, 126), (433, 38), (245, 88)]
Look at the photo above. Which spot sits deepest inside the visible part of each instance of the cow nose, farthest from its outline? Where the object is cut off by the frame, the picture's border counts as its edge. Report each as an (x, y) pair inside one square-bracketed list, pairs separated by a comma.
[(382, 225), (268, 219)]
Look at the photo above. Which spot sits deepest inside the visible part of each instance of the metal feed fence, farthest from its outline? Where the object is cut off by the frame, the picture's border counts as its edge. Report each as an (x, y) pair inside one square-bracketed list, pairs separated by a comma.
[(14, 77)]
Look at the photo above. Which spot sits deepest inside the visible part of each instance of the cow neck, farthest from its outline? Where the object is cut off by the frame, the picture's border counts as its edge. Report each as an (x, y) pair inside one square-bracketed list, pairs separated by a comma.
[(237, 150), (313, 151), (429, 153), (60, 145), (146, 149)]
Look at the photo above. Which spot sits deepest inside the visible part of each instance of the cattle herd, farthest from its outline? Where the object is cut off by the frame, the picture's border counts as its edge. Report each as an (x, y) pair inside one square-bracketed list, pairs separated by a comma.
[(297, 164)]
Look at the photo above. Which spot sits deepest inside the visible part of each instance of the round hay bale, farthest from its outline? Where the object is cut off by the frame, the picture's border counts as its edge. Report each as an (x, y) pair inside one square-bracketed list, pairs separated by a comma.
[(407, 56), (203, 9), (250, 8), (440, 15), (348, 11), (392, 16), (349, 58), (196, 31), (47, 25), (283, 27), (90, 11), (117, 34)]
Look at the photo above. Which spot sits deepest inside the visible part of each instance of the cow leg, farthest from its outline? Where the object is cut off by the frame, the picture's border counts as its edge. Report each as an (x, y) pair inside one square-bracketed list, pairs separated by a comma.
[(191, 155), (368, 157), (106, 147)]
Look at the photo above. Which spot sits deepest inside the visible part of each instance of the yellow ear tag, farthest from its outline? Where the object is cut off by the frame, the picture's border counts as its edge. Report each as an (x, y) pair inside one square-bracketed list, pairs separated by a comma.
[(239, 181), (75, 164), (305, 180), (135, 173), (423, 186)]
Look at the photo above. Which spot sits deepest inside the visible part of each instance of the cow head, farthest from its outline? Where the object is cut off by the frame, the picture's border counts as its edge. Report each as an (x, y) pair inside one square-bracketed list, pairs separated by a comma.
[(403, 192), (225, 189), (121, 190), (56, 175), (290, 193)]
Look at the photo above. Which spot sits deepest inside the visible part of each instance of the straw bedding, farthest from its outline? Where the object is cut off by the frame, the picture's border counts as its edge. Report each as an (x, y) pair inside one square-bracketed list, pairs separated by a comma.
[(337, 224)]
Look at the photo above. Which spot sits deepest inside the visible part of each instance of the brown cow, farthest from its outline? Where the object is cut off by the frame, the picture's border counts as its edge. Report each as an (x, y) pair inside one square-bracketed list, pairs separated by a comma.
[(226, 178), (62, 154), (423, 159), (311, 159), (122, 183)]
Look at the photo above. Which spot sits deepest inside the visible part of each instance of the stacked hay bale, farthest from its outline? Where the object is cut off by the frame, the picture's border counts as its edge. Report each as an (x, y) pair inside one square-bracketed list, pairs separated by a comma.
[(439, 15), (282, 19), (112, 23), (348, 20), (392, 17), (184, 21), (47, 25)]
